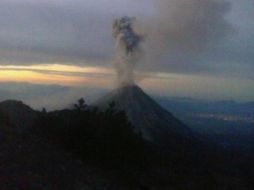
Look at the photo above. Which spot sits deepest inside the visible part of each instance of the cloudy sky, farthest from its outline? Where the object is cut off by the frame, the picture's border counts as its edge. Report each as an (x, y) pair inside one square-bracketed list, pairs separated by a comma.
[(193, 48)]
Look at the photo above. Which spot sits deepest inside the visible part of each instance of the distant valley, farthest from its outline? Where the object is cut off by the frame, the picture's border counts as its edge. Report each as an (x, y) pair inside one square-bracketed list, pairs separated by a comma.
[(229, 123)]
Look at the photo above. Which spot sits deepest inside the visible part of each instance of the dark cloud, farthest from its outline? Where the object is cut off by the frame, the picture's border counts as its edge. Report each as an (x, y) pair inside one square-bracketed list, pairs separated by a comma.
[(69, 31), (186, 31), (193, 24), (52, 31), (182, 35)]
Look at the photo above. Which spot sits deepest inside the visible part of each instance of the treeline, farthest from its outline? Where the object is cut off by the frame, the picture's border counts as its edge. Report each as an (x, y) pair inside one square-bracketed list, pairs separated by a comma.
[(94, 135)]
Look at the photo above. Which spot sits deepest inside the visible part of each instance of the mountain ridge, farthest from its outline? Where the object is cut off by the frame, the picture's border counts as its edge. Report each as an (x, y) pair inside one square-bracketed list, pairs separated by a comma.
[(147, 116), (18, 115)]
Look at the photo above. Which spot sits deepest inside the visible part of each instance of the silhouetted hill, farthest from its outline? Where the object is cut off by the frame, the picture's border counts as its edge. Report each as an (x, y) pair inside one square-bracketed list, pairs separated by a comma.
[(80, 148), (148, 117), (18, 115)]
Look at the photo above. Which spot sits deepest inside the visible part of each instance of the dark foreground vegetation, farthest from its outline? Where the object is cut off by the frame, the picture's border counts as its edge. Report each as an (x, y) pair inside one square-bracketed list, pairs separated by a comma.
[(84, 148), (106, 137)]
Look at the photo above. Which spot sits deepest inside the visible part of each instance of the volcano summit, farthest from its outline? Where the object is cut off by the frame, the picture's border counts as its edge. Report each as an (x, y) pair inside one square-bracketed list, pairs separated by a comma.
[(148, 117)]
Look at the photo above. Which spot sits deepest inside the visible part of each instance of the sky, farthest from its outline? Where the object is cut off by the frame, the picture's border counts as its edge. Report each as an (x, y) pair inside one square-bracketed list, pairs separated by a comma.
[(193, 48)]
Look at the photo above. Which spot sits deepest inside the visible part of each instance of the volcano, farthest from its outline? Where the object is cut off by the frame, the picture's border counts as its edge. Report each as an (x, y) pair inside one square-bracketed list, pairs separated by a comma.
[(149, 119)]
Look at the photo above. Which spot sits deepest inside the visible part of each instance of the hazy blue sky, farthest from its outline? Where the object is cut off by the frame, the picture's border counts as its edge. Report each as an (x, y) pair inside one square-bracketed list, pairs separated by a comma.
[(194, 48)]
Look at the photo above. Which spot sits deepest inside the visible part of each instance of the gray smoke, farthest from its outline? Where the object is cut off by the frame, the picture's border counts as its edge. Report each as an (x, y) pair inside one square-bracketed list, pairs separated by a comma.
[(184, 31), (194, 23), (128, 49)]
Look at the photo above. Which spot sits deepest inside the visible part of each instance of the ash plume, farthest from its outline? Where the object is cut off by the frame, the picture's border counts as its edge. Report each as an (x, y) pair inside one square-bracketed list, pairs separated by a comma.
[(128, 49), (186, 32)]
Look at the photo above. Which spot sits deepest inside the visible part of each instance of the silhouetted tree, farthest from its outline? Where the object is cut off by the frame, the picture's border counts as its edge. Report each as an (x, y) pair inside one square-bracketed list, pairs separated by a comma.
[(43, 111), (105, 136), (81, 105)]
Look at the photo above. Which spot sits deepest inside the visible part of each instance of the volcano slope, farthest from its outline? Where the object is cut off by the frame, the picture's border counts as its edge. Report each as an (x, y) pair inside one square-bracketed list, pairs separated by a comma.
[(153, 122)]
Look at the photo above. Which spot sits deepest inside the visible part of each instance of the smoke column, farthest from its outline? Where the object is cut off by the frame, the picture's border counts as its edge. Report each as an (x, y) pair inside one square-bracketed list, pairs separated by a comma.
[(128, 49)]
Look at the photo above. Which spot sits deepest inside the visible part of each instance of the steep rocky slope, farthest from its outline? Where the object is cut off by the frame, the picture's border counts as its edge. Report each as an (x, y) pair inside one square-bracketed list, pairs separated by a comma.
[(148, 117)]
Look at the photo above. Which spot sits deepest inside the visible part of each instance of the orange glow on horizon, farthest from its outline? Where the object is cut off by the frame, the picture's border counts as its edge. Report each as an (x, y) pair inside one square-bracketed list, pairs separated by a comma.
[(59, 68), (160, 82), (37, 78), (54, 74)]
